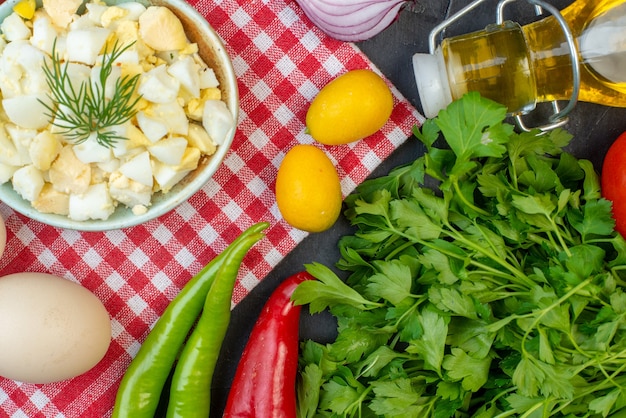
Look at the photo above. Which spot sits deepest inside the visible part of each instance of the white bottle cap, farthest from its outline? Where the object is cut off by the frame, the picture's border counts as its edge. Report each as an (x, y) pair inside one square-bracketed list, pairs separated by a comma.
[(432, 82)]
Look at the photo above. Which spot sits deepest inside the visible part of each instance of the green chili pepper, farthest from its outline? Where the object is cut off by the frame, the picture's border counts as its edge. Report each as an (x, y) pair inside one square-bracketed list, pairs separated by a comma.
[(140, 390), (191, 383)]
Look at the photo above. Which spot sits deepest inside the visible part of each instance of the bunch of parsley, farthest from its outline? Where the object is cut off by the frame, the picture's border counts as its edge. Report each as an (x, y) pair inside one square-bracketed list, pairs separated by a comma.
[(485, 279)]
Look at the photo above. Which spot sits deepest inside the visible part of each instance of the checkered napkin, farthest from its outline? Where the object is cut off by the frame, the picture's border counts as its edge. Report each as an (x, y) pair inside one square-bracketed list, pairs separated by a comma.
[(281, 61)]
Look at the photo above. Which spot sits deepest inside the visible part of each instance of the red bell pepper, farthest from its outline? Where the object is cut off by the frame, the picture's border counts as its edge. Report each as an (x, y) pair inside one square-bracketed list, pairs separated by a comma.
[(264, 385)]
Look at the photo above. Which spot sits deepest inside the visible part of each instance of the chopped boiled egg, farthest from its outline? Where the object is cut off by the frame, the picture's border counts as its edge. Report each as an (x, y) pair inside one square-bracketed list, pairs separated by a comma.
[(6, 172), (43, 149), (95, 11), (217, 120), (128, 191), (158, 86), (14, 29), (195, 107), (153, 129), (94, 203), (138, 168), (68, 174), (134, 9), (167, 176), (169, 150), (90, 151), (51, 200), (8, 151), (161, 29), (173, 115), (186, 71), (44, 33), (62, 12), (28, 182), (112, 14), (21, 70), (21, 139), (199, 138), (208, 79), (27, 111), (178, 120), (84, 45)]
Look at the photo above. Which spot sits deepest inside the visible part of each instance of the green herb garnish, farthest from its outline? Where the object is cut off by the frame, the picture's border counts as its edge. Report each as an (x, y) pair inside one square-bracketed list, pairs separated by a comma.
[(80, 113), (485, 280)]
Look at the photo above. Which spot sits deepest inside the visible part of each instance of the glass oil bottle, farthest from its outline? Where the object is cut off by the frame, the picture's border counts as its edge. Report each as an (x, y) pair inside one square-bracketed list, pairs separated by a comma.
[(520, 66)]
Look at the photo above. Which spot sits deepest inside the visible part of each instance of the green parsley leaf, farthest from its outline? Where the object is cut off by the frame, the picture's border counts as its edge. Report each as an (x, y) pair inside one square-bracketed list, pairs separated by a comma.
[(473, 372), (392, 282), (332, 289), (431, 345)]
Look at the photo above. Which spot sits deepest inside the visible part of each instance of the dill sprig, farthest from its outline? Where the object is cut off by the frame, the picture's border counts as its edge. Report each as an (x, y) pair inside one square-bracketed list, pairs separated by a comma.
[(80, 113)]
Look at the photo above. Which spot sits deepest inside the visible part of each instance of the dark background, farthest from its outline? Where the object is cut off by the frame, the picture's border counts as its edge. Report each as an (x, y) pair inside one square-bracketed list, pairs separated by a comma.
[(594, 128)]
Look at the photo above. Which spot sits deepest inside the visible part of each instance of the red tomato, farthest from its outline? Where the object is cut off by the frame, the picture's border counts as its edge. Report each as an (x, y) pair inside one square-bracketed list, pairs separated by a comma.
[(613, 181)]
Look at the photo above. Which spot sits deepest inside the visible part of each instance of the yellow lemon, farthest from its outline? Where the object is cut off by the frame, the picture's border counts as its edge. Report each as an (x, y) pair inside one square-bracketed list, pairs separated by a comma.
[(308, 192), (353, 106), (25, 8)]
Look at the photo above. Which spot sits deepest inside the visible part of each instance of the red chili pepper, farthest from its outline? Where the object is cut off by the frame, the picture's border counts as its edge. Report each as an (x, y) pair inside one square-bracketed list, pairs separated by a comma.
[(265, 380)]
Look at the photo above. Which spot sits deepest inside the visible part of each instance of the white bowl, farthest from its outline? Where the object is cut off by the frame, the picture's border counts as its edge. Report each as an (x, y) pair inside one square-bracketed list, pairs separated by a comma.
[(212, 50)]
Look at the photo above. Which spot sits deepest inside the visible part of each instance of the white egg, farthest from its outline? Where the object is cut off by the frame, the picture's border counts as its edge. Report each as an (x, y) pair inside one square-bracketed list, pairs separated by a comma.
[(52, 329)]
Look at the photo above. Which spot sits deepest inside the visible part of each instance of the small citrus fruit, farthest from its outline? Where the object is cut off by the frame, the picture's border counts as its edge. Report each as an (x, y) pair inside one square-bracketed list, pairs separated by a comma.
[(308, 192), (353, 106)]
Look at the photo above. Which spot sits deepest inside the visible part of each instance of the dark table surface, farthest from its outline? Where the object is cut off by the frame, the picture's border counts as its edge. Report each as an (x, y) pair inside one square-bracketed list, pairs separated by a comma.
[(594, 128)]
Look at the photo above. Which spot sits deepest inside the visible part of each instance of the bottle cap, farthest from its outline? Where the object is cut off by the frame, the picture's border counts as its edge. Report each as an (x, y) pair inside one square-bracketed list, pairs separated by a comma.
[(432, 82)]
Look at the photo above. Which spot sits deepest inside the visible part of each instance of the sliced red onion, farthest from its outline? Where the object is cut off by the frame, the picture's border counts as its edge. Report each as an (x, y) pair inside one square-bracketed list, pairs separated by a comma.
[(352, 20), (331, 7), (365, 17)]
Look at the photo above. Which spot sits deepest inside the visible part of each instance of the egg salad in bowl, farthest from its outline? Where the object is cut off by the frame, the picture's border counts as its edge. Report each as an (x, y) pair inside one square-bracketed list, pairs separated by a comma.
[(112, 112)]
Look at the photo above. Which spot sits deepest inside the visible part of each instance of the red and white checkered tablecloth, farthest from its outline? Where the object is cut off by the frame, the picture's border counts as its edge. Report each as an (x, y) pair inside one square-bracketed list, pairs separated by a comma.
[(281, 61)]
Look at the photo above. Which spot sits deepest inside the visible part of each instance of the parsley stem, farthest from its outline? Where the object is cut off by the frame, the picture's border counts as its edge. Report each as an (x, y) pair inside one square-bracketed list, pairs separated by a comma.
[(515, 272), (549, 308), (530, 411), (560, 237), (410, 311), (357, 404), (467, 203), (509, 413), (399, 249), (603, 385)]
